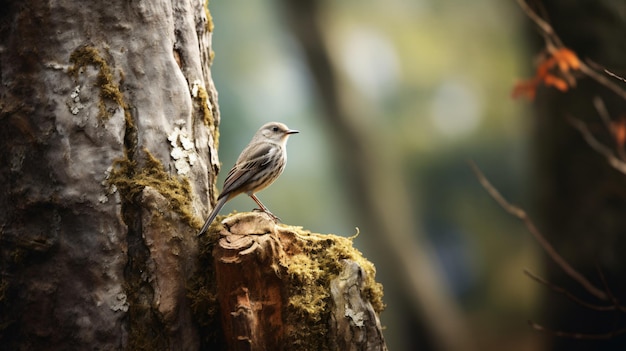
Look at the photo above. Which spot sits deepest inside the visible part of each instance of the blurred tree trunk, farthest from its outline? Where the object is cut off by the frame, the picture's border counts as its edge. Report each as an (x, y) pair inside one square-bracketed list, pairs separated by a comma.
[(108, 116), (581, 200), (422, 313)]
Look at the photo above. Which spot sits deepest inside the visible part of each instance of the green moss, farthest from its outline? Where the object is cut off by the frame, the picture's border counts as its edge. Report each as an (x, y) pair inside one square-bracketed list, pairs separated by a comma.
[(311, 261), (147, 335), (211, 56), (203, 100), (209, 19), (138, 169), (202, 292), (109, 90), (130, 180), (146, 329), (310, 272)]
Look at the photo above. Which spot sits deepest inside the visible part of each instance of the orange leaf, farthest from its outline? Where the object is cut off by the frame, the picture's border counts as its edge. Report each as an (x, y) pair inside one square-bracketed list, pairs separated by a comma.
[(551, 71), (527, 89), (569, 58), (619, 132), (551, 80), (544, 67)]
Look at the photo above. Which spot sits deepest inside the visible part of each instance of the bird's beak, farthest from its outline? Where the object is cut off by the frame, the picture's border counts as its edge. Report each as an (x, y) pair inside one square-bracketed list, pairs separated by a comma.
[(292, 131)]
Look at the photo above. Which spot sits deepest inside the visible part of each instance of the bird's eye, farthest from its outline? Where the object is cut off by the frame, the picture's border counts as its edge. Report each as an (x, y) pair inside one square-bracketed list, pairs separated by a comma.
[(275, 129)]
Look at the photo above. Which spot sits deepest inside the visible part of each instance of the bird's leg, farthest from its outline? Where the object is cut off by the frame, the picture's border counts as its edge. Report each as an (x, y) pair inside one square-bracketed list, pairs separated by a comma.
[(263, 208)]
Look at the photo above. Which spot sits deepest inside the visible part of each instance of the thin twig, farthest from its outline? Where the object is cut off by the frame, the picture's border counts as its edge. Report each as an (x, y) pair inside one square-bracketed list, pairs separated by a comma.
[(599, 67), (547, 247), (609, 292), (579, 336), (598, 103), (603, 112), (614, 75), (602, 79), (548, 32), (608, 154), (560, 290), (553, 43)]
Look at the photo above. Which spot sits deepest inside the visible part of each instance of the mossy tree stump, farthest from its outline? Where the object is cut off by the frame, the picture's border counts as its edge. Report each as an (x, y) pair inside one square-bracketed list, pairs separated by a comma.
[(279, 287)]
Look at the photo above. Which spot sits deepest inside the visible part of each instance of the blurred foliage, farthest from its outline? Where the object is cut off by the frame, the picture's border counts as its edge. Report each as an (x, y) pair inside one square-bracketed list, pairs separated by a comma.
[(432, 81)]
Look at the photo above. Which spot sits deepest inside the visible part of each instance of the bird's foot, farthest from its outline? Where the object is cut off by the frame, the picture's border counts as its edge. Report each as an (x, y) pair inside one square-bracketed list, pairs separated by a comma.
[(267, 212)]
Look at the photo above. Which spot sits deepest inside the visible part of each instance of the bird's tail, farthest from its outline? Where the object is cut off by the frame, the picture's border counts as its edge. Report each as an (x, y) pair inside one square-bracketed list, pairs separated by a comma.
[(213, 214)]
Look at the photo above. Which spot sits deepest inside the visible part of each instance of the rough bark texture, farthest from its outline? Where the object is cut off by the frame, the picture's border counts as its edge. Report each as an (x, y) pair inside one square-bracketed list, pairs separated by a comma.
[(581, 199), (282, 288), (249, 287), (108, 117), (354, 323)]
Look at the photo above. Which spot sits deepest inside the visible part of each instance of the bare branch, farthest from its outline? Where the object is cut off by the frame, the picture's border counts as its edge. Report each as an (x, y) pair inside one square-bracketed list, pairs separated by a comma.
[(553, 43), (579, 336), (547, 31), (547, 247), (614, 75), (602, 79), (598, 103), (599, 67), (610, 294), (560, 290), (613, 160)]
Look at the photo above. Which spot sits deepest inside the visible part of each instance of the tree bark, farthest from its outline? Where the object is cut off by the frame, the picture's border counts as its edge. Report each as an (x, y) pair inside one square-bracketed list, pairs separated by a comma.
[(108, 116), (282, 288), (354, 322)]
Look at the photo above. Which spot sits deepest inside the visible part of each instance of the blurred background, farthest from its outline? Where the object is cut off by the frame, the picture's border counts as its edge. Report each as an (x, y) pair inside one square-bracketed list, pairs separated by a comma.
[(392, 100)]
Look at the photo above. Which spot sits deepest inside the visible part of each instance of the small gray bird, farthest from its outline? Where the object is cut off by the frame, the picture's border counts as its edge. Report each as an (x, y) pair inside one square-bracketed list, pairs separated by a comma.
[(257, 167)]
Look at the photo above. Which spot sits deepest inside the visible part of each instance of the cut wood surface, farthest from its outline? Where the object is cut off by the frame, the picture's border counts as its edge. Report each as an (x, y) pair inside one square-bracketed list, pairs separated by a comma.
[(283, 288)]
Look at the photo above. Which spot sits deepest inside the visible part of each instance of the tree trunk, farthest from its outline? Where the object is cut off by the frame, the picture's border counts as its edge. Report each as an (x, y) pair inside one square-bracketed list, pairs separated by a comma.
[(422, 304), (582, 200), (109, 117), (282, 288)]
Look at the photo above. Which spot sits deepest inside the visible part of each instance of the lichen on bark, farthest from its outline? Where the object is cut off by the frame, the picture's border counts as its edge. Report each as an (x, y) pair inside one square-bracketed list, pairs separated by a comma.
[(109, 90)]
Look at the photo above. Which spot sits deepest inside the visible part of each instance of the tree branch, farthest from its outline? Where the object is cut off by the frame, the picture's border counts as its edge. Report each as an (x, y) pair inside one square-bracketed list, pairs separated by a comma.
[(554, 43), (602, 79), (559, 290), (579, 336), (608, 154), (530, 225), (547, 31)]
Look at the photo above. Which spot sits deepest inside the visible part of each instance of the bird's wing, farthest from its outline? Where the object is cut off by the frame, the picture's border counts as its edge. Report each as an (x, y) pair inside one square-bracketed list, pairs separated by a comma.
[(246, 167)]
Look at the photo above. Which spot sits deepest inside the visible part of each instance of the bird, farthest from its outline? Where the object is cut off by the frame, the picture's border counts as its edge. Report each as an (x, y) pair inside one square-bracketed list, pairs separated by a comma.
[(258, 166)]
